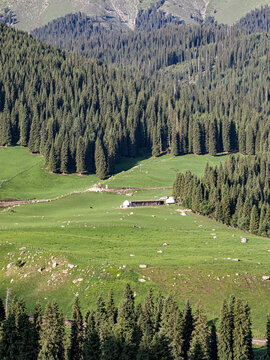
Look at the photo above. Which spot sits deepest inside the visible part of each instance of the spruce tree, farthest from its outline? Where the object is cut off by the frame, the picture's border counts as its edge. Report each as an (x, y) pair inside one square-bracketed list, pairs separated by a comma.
[(100, 161), (53, 161), (9, 339), (26, 339), (188, 329), (196, 350), (178, 337), (213, 347), (125, 327), (201, 331), (254, 220), (175, 144), (2, 311), (91, 344), (242, 336), (213, 148), (52, 338), (80, 156), (65, 158), (160, 347), (197, 138), (37, 325), (75, 350), (225, 342), (268, 335)]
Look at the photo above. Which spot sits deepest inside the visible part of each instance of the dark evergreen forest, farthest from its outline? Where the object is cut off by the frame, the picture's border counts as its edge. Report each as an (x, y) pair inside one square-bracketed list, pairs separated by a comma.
[(157, 329), (177, 88), (236, 193)]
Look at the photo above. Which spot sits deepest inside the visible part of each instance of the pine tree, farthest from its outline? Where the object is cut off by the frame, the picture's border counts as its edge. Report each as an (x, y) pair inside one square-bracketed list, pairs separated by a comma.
[(26, 339), (213, 347), (80, 156), (23, 125), (268, 335), (178, 337), (160, 347), (197, 138), (65, 158), (188, 329), (91, 344), (213, 148), (9, 339), (201, 331), (100, 161), (125, 327), (225, 344), (75, 351), (254, 220), (2, 311), (37, 326), (175, 144), (53, 161), (196, 350), (242, 336), (52, 339)]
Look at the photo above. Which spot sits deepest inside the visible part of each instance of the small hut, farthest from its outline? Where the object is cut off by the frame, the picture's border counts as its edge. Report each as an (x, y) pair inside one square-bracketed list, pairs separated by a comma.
[(141, 203)]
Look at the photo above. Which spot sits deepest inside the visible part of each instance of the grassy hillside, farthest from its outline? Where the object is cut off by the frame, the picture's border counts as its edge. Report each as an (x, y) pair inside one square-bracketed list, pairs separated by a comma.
[(35, 13), (230, 11), (107, 244)]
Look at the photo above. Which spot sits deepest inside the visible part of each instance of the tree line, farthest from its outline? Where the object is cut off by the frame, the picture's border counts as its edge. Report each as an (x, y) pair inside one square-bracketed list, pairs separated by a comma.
[(157, 329), (236, 193), (84, 114)]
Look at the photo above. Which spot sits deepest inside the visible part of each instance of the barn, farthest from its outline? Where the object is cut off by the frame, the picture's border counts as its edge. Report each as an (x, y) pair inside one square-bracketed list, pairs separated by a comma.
[(141, 203)]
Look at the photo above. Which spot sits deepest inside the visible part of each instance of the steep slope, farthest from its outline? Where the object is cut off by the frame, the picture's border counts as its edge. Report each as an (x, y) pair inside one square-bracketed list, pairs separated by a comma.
[(230, 11), (120, 13), (34, 13)]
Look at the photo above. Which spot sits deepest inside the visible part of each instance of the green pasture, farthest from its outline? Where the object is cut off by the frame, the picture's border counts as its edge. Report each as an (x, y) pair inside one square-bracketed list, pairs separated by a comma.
[(161, 171), (230, 11), (23, 177), (91, 231), (98, 246)]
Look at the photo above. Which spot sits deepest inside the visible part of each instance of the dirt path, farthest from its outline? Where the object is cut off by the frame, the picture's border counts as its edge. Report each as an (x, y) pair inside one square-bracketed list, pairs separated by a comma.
[(95, 188)]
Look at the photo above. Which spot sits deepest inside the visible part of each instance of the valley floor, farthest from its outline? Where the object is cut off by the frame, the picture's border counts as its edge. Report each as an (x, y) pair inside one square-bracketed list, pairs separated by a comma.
[(85, 244)]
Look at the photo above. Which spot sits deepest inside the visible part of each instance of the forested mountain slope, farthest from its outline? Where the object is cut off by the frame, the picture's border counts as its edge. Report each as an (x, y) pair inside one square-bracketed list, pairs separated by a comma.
[(83, 115), (122, 14)]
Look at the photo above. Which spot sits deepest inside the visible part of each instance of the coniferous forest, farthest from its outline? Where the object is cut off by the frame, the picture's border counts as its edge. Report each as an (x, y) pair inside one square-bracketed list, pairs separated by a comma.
[(238, 193), (177, 88), (157, 329)]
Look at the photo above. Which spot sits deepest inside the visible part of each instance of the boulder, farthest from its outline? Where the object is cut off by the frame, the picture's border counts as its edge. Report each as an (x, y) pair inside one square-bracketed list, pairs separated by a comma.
[(142, 266), (142, 280), (266, 278)]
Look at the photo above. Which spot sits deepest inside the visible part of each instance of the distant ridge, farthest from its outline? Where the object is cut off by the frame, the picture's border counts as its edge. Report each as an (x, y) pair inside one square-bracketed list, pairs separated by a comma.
[(31, 14)]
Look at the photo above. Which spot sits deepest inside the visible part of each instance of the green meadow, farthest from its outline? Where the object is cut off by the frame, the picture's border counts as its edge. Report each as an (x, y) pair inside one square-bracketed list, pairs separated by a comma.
[(85, 244)]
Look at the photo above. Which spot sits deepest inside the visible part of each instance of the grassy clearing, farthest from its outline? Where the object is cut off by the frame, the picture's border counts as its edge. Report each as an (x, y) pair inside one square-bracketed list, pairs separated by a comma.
[(230, 11), (23, 177), (91, 231), (161, 171)]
